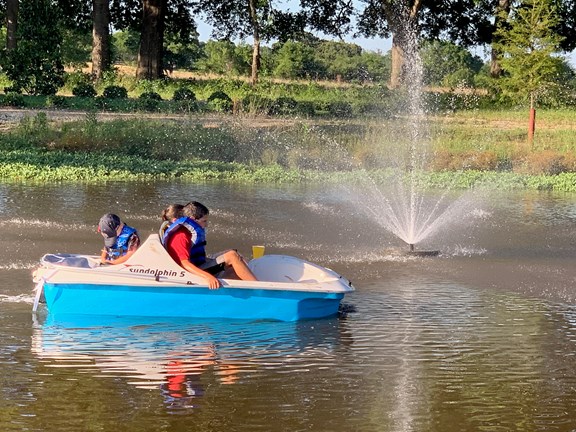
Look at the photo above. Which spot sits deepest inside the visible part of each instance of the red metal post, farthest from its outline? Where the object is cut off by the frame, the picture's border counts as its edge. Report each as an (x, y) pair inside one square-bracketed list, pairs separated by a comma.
[(532, 125)]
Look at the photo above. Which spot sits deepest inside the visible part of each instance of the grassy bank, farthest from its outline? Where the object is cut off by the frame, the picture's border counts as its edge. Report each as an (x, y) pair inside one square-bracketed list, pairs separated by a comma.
[(464, 150)]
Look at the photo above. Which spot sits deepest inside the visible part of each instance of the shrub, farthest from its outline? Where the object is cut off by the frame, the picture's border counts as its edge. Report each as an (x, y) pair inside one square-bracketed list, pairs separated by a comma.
[(305, 108), (548, 162), (117, 105), (84, 90), (184, 94), (185, 106), (115, 92), (220, 101), (283, 106), (151, 96), (256, 104), (13, 99), (376, 109), (340, 109), (149, 103), (56, 101), (486, 160), (73, 79)]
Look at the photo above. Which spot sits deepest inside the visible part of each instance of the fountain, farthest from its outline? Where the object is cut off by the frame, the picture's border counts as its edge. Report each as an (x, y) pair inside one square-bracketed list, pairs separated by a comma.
[(396, 197)]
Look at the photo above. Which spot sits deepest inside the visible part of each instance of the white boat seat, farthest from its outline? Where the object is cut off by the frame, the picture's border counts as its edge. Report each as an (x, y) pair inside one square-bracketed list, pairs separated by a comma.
[(68, 260)]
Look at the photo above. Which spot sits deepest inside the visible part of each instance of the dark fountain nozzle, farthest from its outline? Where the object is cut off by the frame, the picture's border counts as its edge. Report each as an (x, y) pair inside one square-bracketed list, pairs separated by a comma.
[(421, 253)]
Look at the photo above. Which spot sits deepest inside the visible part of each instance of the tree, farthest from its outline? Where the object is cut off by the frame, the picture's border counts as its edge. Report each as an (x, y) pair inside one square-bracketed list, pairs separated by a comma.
[(566, 26), (125, 45), (150, 65), (79, 18), (35, 64), (466, 22), (527, 43), (76, 46), (153, 19), (339, 59), (294, 60), (401, 18), (500, 18), (374, 67), (220, 57), (446, 64), (11, 23), (101, 57), (182, 53), (249, 18), (331, 17)]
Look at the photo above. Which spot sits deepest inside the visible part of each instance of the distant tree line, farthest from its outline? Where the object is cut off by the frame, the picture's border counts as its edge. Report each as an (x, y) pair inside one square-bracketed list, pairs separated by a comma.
[(42, 36)]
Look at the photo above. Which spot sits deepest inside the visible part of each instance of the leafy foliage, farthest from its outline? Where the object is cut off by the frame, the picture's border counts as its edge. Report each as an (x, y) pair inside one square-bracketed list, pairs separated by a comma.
[(76, 48), (84, 90), (35, 65), (115, 92), (220, 101), (448, 65), (283, 106), (184, 94), (223, 57), (295, 60), (151, 95), (527, 43)]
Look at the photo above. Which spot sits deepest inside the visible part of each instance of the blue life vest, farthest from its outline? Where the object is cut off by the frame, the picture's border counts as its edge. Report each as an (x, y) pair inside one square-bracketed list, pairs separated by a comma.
[(120, 247), (197, 253)]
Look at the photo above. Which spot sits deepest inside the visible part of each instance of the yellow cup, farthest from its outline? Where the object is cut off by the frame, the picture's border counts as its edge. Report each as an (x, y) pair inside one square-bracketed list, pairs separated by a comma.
[(257, 251)]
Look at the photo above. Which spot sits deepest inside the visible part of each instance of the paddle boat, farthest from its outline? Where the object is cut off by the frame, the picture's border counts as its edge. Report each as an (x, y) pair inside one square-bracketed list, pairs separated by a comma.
[(150, 283)]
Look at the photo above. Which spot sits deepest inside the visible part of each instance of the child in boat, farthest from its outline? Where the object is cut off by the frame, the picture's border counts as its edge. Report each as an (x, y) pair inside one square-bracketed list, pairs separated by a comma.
[(185, 241), (120, 240), (169, 215)]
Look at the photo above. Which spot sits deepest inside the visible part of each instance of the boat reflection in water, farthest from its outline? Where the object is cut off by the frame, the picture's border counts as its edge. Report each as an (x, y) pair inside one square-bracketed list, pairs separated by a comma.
[(181, 356)]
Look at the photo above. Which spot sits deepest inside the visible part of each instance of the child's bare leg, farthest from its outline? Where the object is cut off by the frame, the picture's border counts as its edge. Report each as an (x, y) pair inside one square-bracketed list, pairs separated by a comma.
[(241, 269)]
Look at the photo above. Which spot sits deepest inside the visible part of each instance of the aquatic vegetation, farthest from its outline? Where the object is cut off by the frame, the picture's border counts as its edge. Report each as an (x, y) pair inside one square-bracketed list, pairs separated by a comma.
[(62, 166), (228, 148)]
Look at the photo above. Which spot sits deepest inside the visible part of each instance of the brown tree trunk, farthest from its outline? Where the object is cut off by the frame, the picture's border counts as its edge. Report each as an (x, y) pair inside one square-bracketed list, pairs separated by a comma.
[(256, 44), (151, 39), (401, 19), (501, 14), (100, 38), (397, 65), (11, 23)]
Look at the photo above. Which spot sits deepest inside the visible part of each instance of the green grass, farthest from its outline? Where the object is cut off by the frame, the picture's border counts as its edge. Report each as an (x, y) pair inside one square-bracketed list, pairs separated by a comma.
[(464, 151)]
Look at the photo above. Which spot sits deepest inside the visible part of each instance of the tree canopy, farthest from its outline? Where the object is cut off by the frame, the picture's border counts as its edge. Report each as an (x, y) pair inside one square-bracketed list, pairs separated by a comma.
[(528, 42), (161, 35)]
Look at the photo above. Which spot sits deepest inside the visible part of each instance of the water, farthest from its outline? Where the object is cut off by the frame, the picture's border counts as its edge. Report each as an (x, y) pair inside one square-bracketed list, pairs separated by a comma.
[(481, 338)]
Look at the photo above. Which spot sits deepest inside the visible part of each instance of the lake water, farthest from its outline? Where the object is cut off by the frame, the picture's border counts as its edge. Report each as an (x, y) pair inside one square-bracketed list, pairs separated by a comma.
[(481, 338)]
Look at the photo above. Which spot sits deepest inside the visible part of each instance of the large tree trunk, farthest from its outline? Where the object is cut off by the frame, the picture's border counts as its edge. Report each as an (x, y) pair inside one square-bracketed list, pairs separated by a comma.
[(401, 17), (11, 23), (397, 64), (151, 39), (100, 38), (256, 44), (501, 14)]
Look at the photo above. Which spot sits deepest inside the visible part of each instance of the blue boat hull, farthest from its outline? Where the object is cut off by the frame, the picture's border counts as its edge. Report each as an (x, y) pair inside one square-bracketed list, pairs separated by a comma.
[(193, 302)]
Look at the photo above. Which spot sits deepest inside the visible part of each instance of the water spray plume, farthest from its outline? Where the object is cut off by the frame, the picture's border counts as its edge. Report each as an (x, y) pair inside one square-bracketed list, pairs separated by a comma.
[(401, 201)]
